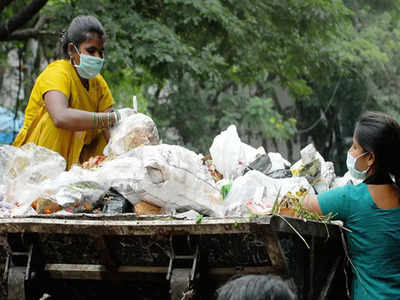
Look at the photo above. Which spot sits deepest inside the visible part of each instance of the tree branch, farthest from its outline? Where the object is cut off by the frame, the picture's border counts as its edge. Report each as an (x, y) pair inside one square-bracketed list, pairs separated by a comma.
[(24, 34), (4, 4), (21, 19)]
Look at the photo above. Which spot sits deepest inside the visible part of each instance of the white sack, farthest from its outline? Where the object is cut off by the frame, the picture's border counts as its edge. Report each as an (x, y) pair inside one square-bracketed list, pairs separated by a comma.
[(176, 179)]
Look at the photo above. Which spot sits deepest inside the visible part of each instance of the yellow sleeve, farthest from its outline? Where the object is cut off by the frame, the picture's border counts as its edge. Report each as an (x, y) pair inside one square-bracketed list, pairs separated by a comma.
[(106, 99), (55, 77)]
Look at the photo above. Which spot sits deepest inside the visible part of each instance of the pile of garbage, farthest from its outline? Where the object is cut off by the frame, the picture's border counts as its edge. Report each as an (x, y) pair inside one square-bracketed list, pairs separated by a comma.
[(139, 174)]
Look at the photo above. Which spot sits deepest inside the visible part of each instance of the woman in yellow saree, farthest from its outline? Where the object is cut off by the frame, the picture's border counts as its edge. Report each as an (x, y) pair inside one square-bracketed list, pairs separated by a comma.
[(70, 106)]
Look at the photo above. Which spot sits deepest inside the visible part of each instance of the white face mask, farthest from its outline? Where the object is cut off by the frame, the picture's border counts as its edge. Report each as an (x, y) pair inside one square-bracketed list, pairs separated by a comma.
[(351, 166)]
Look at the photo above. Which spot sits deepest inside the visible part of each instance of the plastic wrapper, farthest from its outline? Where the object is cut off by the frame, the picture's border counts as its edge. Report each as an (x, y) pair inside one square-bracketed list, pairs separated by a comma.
[(136, 130), (255, 193), (175, 178), (230, 155), (319, 173), (115, 203)]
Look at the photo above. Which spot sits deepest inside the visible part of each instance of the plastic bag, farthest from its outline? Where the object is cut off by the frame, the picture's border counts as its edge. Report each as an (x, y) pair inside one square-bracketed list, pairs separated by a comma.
[(278, 162), (176, 179), (137, 130), (29, 163), (124, 173), (74, 191), (230, 155), (255, 192), (319, 173), (83, 196)]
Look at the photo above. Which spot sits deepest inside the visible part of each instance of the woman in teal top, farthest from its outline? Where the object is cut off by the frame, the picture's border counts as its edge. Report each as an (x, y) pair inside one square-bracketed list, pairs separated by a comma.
[(371, 210)]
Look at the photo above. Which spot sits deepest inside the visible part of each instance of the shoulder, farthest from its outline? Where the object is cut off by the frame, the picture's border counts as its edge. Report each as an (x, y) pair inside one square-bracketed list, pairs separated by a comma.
[(60, 67), (56, 76), (342, 200)]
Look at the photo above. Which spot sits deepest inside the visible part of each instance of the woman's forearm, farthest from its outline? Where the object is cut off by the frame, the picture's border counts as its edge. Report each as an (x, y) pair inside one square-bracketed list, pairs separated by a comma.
[(77, 120)]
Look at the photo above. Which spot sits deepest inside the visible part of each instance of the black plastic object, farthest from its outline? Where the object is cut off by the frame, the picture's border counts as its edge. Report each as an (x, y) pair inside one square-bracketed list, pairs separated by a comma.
[(262, 163), (115, 203)]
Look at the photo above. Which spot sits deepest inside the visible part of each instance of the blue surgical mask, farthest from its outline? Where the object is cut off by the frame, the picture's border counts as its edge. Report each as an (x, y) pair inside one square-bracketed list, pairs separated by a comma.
[(89, 66), (351, 166)]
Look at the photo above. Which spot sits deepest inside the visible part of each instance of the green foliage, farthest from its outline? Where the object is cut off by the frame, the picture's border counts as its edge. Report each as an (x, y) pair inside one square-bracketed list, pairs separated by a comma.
[(199, 66)]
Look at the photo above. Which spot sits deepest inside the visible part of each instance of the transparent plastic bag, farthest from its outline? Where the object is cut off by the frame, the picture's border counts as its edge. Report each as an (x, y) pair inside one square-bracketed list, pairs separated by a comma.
[(137, 130), (255, 192), (29, 163)]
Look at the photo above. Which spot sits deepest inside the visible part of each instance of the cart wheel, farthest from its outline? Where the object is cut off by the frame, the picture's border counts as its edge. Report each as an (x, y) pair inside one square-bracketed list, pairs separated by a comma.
[(16, 283)]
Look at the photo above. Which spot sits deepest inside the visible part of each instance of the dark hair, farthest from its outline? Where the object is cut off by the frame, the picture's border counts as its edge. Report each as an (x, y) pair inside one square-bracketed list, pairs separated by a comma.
[(77, 32), (379, 133), (256, 287)]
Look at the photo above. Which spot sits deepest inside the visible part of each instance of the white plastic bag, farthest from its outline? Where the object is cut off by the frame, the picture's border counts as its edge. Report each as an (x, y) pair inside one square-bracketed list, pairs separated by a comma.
[(137, 130), (125, 174), (278, 162), (29, 163), (176, 179), (230, 155), (25, 169), (246, 190)]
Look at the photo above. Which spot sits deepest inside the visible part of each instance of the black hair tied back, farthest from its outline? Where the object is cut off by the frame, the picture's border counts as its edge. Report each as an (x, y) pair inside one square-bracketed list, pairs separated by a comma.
[(379, 133), (77, 31)]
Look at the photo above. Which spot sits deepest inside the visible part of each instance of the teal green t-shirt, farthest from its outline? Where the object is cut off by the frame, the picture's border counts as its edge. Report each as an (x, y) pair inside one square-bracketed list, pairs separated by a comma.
[(374, 243)]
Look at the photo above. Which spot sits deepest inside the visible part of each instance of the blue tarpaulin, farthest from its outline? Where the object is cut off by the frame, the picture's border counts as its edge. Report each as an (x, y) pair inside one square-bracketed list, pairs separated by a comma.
[(9, 125)]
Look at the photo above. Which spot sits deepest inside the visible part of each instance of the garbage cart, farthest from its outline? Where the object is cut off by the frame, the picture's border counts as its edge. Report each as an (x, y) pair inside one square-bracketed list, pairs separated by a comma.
[(192, 258)]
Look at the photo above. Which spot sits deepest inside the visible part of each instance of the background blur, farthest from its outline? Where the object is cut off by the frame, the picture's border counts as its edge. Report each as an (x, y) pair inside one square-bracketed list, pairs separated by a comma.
[(286, 73)]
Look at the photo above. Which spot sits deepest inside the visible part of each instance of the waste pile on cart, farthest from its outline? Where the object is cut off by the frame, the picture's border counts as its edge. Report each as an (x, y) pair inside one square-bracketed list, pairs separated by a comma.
[(138, 174), (150, 210)]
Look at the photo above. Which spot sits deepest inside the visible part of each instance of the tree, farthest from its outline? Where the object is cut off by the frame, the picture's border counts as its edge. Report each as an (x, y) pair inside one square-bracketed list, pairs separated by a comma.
[(18, 19)]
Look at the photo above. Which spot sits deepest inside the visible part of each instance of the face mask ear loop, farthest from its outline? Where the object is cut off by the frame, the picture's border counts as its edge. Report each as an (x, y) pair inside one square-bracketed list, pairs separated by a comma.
[(77, 51)]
